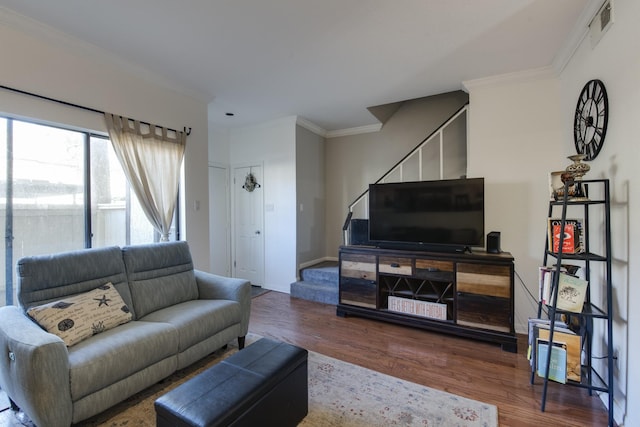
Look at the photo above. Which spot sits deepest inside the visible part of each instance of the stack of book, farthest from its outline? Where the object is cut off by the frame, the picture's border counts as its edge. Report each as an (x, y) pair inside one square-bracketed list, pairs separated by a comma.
[(566, 349)]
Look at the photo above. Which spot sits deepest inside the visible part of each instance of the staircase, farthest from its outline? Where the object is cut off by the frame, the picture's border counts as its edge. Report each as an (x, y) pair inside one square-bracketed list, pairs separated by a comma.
[(413, 166), (318, 283)]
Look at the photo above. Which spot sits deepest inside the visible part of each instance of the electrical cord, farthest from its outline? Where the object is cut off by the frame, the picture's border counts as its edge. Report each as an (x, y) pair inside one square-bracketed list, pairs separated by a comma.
[(534, 299)]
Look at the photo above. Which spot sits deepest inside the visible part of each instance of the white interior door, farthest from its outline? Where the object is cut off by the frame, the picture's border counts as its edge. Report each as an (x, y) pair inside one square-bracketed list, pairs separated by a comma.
[(220, 220), (248, 261)]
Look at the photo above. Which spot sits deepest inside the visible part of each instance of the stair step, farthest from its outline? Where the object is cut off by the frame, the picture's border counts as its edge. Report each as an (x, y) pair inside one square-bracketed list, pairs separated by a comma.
[(318, 283), (327, 275), (326, 293)]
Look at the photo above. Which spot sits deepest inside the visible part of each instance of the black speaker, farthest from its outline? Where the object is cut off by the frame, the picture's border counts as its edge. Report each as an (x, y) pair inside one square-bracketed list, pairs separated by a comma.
[(359, 232), (493, 242)]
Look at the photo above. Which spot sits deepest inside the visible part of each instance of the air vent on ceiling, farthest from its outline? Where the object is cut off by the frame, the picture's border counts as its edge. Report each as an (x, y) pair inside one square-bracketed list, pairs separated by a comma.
[(601, 22)]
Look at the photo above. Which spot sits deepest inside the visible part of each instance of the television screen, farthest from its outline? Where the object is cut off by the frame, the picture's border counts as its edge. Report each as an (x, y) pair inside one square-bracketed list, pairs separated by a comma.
[(444, 212)]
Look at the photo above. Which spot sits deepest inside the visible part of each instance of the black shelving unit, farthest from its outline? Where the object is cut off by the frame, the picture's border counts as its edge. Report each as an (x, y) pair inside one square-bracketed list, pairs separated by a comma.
[(593, 311)]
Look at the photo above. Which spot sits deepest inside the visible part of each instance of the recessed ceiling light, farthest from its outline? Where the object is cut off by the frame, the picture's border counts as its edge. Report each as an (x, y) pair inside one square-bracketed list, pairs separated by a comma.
[(229, 114)]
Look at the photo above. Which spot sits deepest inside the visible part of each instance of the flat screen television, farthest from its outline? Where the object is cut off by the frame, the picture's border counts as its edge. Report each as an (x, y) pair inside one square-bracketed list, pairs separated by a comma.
[(430, 215)]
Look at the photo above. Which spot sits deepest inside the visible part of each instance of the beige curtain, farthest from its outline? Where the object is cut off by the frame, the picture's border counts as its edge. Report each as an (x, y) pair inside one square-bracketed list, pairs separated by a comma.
[(151, 160)]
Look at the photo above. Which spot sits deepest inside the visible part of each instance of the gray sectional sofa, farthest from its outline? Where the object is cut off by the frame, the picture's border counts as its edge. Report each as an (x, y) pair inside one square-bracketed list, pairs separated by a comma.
[(178, 315)]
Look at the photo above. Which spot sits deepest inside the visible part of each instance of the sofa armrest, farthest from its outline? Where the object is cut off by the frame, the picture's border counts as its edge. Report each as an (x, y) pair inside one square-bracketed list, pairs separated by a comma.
[(212, 286), (34, 369)]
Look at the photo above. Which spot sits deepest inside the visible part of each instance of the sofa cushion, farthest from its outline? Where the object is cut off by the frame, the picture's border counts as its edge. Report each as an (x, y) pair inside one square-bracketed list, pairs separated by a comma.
[(76, 318), (197, 320), (160, 275), (46, 278), (102, 360)]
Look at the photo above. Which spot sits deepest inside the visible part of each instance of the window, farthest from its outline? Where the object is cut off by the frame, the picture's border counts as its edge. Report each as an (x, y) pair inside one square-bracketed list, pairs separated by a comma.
[(61, 190)]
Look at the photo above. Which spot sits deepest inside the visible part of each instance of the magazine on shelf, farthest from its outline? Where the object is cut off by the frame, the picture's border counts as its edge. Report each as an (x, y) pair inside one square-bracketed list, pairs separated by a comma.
[(533, 332), (572, 291), (573, 344), (573, 238), (532, 337), (545, 280), (545, 275), (558, 362)]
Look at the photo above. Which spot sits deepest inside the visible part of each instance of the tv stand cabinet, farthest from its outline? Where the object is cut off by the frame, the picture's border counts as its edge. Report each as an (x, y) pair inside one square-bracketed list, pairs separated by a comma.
[(465, 294)]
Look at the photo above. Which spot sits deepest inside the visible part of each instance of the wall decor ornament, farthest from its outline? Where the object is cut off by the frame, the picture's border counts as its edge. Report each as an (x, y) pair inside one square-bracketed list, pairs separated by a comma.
[(250, 183), (577, 170), (591, 119)]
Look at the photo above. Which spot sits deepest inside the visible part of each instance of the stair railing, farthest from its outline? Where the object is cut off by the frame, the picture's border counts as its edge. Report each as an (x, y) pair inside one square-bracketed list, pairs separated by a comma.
[(437, 136)]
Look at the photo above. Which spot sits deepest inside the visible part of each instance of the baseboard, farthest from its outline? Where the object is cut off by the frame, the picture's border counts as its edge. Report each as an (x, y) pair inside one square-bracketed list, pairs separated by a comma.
[(316, 261)]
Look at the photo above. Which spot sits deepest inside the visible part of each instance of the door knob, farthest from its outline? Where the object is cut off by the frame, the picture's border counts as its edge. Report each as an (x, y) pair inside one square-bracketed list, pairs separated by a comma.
[(257, 231)]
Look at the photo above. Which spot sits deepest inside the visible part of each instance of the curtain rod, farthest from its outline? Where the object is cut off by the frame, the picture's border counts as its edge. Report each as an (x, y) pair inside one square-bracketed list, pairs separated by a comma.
[(70, 104)]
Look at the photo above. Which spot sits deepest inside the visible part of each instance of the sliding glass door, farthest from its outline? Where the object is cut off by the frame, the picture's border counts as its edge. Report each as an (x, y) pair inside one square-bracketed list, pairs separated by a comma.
[(61, 190)]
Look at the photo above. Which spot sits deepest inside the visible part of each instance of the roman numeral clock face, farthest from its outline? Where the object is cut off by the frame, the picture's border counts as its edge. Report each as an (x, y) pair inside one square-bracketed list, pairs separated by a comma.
[(590, 123)]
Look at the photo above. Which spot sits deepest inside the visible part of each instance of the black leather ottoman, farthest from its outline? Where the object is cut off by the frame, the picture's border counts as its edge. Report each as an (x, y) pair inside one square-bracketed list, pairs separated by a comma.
[(264, 384)]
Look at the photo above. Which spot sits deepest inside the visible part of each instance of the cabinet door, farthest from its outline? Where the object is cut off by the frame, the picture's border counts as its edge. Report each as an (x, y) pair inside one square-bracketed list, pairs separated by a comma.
[(484, 297), (358, 280)]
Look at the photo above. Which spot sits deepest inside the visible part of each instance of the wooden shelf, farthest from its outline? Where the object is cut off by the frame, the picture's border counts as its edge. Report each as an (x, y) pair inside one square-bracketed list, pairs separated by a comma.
[(476, 289)]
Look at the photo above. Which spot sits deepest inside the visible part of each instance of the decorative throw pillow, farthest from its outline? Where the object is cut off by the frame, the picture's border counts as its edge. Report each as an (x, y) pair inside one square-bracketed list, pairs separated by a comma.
[(78, 317)]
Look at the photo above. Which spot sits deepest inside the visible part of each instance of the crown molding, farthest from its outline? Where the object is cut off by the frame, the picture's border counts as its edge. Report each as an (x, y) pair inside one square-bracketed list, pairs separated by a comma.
[(354, 131), (339, 132), (516, 77), (52, 36), (560, 61), (310, 126)]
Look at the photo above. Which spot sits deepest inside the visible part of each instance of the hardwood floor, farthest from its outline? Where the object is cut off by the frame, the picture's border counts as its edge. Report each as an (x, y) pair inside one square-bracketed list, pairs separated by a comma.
[(465, 367)]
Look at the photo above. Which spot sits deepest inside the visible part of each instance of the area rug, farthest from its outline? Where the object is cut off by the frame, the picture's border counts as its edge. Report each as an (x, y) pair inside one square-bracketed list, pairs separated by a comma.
[(340, 395), (343, 394)]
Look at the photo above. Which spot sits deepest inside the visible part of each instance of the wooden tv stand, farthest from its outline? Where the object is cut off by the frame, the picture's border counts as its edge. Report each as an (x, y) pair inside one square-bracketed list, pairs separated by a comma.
[(466, 294)]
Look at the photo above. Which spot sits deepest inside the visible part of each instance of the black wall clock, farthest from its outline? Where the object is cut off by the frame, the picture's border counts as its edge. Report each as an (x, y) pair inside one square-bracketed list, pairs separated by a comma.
[(590, 122)]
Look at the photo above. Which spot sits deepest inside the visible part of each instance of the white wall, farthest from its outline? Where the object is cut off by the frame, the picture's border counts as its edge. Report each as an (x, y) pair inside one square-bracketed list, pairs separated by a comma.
[(219, 146), (615, 61), (515, 140), (37, 60), (310, 195), (273, 145), (219, 202)]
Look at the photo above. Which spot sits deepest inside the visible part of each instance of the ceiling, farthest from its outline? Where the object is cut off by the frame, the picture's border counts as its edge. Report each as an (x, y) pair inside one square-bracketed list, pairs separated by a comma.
[(325, 61)]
